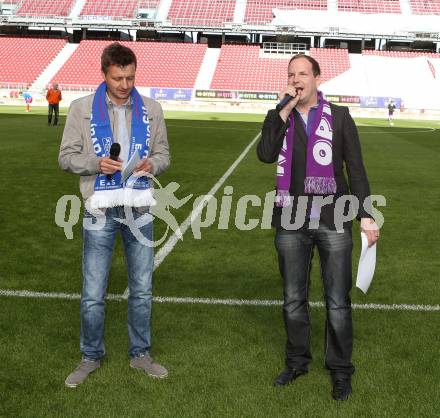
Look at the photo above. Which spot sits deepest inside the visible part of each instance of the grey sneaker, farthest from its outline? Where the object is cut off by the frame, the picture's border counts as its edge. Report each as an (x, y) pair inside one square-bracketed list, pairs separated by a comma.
[(81, 372), (147, 364)]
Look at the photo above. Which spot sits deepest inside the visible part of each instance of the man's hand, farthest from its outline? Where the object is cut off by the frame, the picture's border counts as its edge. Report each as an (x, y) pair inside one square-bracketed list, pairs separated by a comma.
[(371, 230), (291, 91), (109, 166), (143, 167)]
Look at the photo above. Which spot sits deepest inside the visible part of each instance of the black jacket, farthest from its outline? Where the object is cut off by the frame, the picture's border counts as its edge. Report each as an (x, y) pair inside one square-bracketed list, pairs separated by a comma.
[(346, 155)]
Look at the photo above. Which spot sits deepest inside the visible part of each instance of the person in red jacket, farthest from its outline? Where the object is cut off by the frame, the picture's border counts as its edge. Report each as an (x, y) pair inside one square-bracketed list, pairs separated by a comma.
[(53, 97)]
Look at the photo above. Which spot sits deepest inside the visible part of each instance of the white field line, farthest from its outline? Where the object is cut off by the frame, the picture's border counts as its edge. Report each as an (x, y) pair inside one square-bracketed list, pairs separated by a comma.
[(173, 239), (214, 301)]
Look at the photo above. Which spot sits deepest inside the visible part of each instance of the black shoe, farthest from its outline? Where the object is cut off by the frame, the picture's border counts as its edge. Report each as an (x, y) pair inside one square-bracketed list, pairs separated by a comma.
[(287, 376), (341, 388)]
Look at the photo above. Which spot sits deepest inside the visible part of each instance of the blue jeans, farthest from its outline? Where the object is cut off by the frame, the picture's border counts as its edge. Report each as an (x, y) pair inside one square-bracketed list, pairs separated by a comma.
[(97, 253), (295, 249)]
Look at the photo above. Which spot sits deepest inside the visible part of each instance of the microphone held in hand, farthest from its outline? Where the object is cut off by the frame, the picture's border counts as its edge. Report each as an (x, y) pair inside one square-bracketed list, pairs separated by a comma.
[(115, 150), (286, 99)]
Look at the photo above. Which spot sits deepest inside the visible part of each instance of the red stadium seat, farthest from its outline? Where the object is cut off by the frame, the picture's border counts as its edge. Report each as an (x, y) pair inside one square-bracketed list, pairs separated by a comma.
[(423, 7), (23, 59), (240, 68), (260, 11), (45, 8), (402, 54), (114, 9), (203, 13), (369, 6), (149, 4), (159, 64)]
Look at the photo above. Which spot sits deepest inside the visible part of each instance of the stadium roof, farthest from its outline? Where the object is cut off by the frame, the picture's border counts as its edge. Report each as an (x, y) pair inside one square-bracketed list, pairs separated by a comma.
[(357, 23), (330, 23)]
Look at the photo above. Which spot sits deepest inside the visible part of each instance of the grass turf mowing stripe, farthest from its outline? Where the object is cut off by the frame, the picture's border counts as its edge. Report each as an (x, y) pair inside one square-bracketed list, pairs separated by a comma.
[(407, 131), (173, 239), (214, 301)]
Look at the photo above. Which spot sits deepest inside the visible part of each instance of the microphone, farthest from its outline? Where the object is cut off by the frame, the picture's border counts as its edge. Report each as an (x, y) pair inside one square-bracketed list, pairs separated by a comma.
[(286, 99), (115, 150)]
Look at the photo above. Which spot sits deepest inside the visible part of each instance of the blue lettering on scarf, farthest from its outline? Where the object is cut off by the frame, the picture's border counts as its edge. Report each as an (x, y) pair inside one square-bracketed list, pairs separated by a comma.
[(102, 137)]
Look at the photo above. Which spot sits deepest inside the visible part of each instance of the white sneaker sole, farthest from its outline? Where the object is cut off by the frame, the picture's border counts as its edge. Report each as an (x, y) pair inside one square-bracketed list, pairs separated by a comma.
[(71, 385), (74, 385)]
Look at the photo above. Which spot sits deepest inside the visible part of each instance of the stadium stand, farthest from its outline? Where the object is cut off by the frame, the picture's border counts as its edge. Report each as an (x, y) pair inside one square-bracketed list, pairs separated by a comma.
[(110, 9), (214, 12), (159, 64), (369, 6), (149, 4), (401, 54), (423, 7), (202, 13), (260, 11), (45, 8), (23, 59), (240, 68), (333, 62)]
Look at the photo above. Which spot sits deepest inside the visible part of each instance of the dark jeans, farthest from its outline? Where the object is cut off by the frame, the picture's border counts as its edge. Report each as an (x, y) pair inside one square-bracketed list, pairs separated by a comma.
[(295, 250), (53, 108)]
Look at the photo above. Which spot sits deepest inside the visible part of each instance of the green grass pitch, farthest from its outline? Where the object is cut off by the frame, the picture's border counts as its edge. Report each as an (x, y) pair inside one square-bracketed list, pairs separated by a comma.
[(222, 359)]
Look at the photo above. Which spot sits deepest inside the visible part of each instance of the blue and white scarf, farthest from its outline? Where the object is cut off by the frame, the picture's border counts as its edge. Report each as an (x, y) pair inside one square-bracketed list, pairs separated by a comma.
[(112, 192)]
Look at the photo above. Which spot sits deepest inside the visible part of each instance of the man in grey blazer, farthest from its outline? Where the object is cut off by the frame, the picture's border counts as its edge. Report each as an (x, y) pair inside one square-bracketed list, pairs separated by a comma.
[(116, 113), (313, 140)]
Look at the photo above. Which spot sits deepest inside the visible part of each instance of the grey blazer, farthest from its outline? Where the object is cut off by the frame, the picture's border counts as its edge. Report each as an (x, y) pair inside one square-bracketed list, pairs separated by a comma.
[(76, 151)]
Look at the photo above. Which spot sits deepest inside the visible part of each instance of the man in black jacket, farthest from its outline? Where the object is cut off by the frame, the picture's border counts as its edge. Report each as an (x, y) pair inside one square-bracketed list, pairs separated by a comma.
[(312, 141)]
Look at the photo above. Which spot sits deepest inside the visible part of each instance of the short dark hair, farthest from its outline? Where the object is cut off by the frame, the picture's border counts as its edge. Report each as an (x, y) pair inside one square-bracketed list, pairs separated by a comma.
[(315, 65), (117, 54)]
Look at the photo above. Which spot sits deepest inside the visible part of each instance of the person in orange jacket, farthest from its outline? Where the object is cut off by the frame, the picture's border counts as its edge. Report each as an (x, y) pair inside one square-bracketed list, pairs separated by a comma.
[(54, 97)]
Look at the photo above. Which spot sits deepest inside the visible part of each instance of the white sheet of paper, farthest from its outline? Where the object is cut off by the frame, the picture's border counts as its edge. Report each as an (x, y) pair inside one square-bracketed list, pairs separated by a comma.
[(367, 265), (131, 165)]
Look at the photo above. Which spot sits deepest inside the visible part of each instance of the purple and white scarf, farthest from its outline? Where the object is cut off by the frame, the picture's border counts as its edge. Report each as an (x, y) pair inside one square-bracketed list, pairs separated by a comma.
[(320, 177)]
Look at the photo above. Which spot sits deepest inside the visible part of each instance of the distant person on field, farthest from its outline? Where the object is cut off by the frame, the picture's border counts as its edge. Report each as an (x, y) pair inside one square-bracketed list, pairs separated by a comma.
[(391, 109), (27, 100), (116, 116), (54, 98), (317, 147)]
